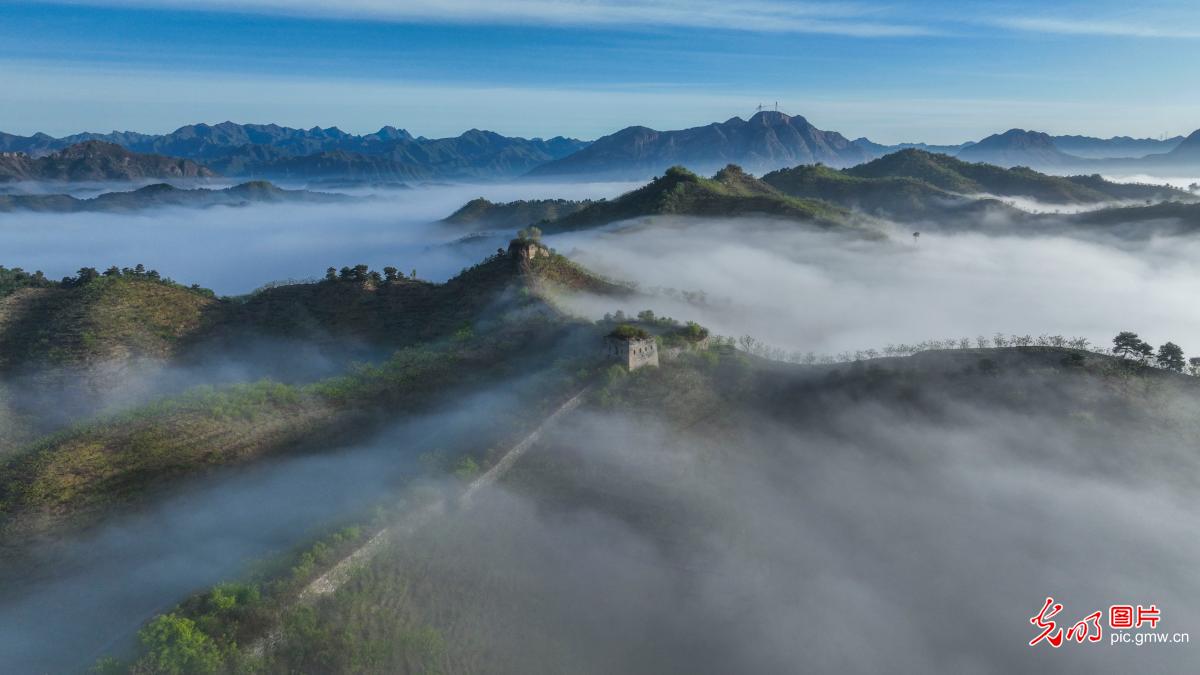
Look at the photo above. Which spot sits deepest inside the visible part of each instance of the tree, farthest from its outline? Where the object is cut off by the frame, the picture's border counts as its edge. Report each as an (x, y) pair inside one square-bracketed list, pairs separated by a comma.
[(749, 344), (391, 273), (1170, 356), (175, 645), (1127, 343), (1194, 362), (331, 274), (1144, 352), (532, 233), (646, 316)]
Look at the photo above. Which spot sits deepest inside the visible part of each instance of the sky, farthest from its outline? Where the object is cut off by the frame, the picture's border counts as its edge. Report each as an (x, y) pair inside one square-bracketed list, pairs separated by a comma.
[(939, 71)]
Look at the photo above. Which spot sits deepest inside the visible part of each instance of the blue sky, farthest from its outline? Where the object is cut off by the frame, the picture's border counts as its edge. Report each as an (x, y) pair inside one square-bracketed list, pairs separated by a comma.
[(937, 71)]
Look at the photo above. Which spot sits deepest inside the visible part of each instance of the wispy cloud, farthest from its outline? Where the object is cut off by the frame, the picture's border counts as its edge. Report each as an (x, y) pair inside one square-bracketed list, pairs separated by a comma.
[(776, 16), (1104, 28)]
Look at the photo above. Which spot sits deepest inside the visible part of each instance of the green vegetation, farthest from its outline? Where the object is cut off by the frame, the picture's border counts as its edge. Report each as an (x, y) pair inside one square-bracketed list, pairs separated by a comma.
[(731, 192), (81, 472), (966, 178), (1127, 344), (100, 316), (669, 332), (482, 214), (206, 633), (627, 332), (14, 279), (894, 196), (93, 466)]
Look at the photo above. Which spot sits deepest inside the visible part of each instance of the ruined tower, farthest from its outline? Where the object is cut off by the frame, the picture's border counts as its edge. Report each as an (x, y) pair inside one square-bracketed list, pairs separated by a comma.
[(632, 348)]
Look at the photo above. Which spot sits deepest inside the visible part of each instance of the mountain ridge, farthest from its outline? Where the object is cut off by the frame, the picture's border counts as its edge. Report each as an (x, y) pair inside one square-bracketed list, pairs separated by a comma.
[(97, 161), (768, 139)]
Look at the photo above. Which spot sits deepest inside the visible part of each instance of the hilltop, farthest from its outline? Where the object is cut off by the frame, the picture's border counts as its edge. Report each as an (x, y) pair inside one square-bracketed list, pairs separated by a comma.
[(97, 161), (163, 194), (98, 317), (481, 214), (679, 192), (767, 140), (136, 313)]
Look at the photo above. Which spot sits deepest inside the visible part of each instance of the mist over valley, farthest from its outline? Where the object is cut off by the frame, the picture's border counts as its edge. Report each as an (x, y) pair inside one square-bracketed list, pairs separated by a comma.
[(604, 337)]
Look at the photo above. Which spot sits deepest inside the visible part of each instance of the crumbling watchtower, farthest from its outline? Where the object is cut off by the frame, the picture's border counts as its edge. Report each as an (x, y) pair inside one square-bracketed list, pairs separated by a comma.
[(632, 347)]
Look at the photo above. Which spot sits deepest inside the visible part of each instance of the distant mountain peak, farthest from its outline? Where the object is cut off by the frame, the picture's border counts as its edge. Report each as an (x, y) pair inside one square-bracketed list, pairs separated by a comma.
[(1018, 147), (775, 117), (768, 140)]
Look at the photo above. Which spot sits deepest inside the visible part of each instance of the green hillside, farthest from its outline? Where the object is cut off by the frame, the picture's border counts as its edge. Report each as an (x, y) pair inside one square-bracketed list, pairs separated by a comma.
[(888, 196), (100, 317), (481, 214), (679, 192), (476, 327), (966, 178)]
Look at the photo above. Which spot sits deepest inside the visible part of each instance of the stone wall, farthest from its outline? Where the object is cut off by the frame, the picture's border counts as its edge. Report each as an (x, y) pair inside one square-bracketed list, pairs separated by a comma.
[(675, 352)]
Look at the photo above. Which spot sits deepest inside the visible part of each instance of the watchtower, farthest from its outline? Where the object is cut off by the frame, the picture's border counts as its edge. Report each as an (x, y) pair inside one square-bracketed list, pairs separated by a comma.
[(631, 347)]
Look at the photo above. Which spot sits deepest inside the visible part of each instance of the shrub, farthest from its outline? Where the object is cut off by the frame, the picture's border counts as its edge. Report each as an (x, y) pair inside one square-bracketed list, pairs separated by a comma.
[(627, 332), (174, 645)]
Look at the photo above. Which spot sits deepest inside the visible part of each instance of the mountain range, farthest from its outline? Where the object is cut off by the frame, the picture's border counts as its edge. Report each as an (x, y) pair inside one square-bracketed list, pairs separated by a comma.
[(912, 186), (163, 194), (273, 151), (767, 141)]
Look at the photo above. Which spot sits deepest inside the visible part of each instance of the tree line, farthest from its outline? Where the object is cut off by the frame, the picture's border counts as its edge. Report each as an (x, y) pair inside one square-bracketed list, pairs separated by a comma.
[(17, 278), (1169, 356), (1126, 345), (361, 274)]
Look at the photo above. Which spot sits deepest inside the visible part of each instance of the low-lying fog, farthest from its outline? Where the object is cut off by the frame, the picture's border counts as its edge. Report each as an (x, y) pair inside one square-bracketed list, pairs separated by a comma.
[(235, 250), (877, 542), (94, 593), (803, 290), (787, 286)]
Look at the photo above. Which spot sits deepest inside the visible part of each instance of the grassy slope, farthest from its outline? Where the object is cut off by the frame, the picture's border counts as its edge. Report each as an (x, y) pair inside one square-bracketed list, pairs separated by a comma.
[(109, 318), (680, 192)]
